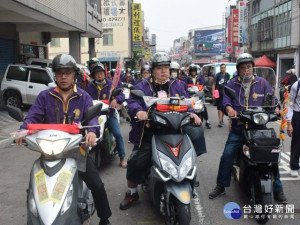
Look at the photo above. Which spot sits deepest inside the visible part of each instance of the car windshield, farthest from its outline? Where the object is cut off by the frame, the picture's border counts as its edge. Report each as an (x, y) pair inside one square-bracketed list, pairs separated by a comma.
[(230, 68)]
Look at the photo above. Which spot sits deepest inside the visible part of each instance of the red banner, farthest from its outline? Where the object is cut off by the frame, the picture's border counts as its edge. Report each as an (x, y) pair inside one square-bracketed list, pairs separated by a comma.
[(229, 27), (235, 27), (116, 76)]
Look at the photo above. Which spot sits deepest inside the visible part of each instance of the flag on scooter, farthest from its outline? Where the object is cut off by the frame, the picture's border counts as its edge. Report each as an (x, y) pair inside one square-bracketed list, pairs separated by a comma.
[(105, 70), (283, 114)]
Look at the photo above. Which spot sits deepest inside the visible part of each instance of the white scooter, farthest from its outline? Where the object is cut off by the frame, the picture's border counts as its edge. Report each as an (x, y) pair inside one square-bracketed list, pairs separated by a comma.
[(56, 194)]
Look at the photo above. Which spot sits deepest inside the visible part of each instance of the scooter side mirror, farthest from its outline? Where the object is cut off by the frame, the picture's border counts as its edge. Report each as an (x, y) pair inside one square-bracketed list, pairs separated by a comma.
[(92, 112), (138, 94), (15, 113), (230, 92)]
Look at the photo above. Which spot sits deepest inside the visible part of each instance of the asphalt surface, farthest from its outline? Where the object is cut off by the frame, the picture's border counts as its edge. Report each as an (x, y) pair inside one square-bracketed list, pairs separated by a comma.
[(16, 162)]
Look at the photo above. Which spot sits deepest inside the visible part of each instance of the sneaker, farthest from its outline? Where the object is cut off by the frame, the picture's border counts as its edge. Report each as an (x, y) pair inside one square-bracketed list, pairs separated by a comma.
[(128, 200), (207, 124), (218, 191), (104, 222), (220, 124), (294, 173), (280, 197)]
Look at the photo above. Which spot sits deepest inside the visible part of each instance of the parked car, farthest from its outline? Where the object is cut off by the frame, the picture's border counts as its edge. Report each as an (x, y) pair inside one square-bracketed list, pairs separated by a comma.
[(210, 70), (40, 62), (21, 84)]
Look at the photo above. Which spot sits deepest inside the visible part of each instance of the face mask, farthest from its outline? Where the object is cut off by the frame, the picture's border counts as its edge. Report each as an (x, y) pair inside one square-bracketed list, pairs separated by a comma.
[(174, 75), (198, 72), (246, 79), (100, 82)]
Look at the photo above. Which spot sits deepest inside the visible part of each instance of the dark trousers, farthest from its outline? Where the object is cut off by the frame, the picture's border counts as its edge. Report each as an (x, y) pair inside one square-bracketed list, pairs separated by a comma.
[(295, 145), (92, 179), (205, 114)]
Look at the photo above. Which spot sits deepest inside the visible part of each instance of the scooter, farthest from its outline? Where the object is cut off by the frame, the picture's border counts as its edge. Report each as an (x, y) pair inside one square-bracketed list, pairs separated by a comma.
[(56, 194), (104, 150), (257, 163), (173, 171), (199, 107), (124, 107)]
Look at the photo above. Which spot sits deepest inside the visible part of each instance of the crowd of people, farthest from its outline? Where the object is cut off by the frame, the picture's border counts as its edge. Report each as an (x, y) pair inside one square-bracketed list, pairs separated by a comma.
[(162, 75)]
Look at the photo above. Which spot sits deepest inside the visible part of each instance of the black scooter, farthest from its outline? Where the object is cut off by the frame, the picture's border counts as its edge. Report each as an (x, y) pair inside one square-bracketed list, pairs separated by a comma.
[(257, 163)]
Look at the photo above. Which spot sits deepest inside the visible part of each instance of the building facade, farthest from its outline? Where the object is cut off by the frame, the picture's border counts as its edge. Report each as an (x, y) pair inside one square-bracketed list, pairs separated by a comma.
[(274, 30), (27, 26)]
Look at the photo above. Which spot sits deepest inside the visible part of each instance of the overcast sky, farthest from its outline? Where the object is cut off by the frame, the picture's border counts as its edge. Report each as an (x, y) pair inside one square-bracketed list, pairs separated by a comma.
[(171, 19)]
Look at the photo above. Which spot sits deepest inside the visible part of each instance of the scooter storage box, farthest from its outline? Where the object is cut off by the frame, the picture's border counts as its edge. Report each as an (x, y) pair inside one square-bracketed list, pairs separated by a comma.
[(264, 146)]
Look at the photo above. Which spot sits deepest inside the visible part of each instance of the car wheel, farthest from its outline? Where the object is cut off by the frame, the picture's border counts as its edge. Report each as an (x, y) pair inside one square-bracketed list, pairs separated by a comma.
[(13, 99)]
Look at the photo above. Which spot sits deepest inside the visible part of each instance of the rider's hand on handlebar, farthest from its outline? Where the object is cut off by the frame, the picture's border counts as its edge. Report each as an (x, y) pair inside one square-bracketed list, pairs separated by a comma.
[(231, 112), (90, 139), (142, 115), (19, 141), (196, 118), (113, 104)]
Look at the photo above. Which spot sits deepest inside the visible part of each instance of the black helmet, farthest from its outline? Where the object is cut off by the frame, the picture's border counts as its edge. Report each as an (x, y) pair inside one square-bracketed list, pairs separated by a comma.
[(63, 61), (96, 68), (145, 67), (244, 58), (92, 62), (192, 67), (160, 58), (112, 73), (128, 70)]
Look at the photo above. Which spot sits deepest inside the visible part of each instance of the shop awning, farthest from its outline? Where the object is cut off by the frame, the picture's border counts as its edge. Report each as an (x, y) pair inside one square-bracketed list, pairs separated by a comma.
[(265, 62)]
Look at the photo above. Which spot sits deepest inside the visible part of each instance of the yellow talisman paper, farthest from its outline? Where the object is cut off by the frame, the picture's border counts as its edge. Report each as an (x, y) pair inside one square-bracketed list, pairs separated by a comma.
[(41, 187), (60, 186)]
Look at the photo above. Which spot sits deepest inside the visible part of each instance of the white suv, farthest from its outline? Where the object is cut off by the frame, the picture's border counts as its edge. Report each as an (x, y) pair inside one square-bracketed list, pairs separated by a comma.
[(21, 84)]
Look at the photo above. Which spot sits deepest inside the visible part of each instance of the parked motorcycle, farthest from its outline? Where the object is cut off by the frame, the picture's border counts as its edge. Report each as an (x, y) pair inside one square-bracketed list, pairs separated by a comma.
[(56, 194), (257, 162), (104, 150), (173, 171)]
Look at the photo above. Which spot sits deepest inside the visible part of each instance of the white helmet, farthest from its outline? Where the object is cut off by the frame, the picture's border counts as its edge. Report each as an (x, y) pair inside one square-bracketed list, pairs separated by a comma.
[(174, 66)]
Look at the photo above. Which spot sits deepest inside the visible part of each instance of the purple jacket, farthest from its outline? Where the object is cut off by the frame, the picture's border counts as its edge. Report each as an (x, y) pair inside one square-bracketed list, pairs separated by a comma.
[(258, 90), (43, 109), (199, 80), (135, 105), (104, 93)]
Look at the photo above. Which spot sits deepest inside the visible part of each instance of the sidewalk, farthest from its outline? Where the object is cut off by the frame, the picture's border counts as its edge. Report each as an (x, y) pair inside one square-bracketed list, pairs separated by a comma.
[(7, 125)]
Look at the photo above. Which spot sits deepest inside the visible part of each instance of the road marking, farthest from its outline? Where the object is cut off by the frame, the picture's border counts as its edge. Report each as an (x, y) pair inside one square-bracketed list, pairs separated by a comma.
[(284, 168), (199, 208)]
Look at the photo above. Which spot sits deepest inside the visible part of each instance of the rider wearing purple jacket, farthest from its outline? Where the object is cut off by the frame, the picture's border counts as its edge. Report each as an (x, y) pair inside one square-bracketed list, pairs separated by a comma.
[(100, 89), (141, 134), (51, 106), (256, 88)]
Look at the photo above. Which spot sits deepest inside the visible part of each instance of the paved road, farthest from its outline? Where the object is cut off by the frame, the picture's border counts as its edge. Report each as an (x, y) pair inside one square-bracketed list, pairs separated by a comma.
[(15, 165)]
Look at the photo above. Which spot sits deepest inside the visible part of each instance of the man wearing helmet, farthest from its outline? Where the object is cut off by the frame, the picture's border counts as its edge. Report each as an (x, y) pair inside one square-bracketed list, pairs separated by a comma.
[(244, 82), (195, 79), (127, 78), (145, 73), (52, 106), (99, 89), (141, 134)]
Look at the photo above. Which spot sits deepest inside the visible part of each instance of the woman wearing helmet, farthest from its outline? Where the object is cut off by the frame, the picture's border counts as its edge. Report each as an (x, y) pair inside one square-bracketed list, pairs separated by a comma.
[(145, 73)]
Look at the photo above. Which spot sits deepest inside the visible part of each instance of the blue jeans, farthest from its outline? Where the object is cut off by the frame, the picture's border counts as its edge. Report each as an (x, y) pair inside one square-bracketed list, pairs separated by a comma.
[(233, 145), (114, 127)]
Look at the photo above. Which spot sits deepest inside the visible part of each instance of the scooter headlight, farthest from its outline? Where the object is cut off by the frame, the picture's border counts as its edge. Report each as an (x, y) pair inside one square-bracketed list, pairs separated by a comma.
[(186, 167), (185, 121), (32, 205), (160, 120), (52, 147), (260, 118), (68, 201), (169, 168)]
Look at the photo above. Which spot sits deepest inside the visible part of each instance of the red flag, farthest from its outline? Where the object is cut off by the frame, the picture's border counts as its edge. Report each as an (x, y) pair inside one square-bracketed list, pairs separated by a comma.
[(105, 70), (117, 75)]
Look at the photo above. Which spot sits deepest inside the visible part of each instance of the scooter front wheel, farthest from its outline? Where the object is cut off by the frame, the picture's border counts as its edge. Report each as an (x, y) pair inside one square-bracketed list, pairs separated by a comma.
[(182, 213)]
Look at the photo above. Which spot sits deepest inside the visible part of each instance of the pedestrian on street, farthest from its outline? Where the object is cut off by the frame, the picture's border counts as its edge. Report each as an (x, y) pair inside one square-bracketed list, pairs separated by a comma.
[(220, 81), (293, 127)]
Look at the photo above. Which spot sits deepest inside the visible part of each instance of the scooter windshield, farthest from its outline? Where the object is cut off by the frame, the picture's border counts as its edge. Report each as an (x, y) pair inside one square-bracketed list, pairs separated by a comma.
[(257, 87)]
